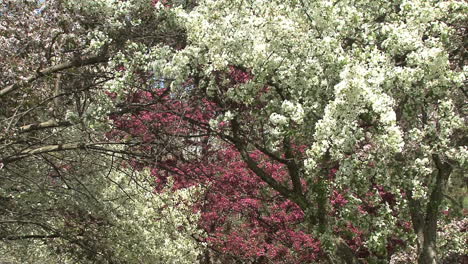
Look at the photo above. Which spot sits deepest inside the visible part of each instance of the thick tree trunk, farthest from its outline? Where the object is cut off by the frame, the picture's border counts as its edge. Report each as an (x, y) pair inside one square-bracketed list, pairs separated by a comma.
[(344, 253), (425, 222), (428, 255)]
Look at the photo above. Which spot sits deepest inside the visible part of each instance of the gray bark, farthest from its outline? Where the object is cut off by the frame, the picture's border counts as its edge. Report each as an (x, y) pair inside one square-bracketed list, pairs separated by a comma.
[(425, 221), (53, 69)]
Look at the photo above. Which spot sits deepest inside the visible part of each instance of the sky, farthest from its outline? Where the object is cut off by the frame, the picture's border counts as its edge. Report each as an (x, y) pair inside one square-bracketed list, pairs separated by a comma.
[(42, 3)]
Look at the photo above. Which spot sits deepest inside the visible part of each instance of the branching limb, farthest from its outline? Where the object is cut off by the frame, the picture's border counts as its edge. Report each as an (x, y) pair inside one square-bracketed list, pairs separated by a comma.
[(79, 62)]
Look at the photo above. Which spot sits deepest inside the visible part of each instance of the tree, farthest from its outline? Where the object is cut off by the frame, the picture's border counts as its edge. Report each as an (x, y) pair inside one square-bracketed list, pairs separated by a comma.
[(64, 195), (89, 216), (312, 131), (372, 91)]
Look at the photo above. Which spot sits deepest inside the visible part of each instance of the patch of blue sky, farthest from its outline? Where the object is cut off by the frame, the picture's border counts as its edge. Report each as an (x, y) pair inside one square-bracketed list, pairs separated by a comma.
[(42, 4)]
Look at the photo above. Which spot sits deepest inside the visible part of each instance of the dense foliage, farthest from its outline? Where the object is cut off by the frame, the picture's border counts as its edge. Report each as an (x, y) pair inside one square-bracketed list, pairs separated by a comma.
[(64, 195), (306, 131)]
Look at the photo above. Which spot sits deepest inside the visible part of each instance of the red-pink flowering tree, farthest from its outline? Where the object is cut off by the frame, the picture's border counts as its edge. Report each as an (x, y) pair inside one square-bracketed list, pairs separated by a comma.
[(241, 214)]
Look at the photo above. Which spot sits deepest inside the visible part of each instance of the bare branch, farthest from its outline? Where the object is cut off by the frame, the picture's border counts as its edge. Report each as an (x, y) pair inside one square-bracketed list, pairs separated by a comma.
[(293, 168), (79, 62), (30, 237), (47, 124)]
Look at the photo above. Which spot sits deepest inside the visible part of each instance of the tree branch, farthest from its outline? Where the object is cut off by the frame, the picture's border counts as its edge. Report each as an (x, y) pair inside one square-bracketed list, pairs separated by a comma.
[(30, 237), (53, 69), (253, 166), (47, 124), (293, 169)]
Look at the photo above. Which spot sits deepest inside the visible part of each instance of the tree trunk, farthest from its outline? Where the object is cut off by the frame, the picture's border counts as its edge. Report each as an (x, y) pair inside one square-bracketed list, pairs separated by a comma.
[(425, 223), (344, 253)]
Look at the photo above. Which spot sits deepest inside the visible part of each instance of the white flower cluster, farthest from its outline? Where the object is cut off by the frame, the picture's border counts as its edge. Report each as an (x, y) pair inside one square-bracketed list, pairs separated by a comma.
[(293, 111), (278, 120), (453, 237), (141, 58), (115, 13), (157, 227), (98, 40), (358, 94), (419, 190)]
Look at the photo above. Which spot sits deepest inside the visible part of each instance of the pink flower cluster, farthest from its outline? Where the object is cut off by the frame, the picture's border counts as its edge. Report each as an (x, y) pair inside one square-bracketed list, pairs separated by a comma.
[(238, 75)]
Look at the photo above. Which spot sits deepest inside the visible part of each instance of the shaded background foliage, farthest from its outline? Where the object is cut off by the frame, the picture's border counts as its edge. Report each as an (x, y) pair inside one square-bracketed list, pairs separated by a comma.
[(64, 195)]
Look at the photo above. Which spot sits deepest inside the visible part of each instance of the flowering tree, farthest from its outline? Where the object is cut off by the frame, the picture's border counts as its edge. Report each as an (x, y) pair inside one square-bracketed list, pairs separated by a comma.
[(89, 215), (340, 121), (64, 196), (324, 131)]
